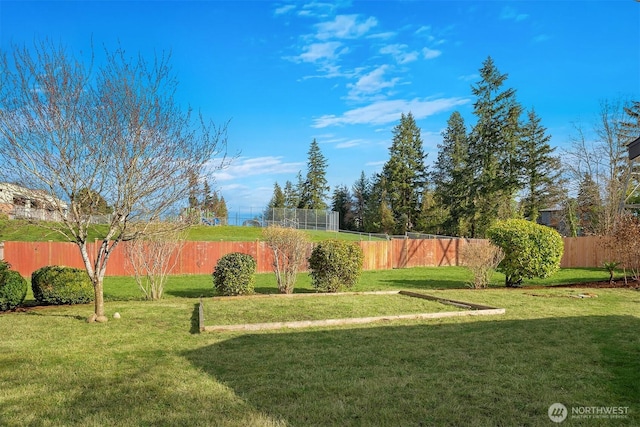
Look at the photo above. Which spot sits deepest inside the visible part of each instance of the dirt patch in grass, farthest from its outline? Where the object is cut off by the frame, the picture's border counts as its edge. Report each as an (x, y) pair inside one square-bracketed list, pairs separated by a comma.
[(605, 284)]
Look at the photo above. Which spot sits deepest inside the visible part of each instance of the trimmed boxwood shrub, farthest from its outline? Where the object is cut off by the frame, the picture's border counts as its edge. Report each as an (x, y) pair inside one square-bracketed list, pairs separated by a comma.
[(335, 264), (234, 274), (13, 287), (61, 285), (530, 250)]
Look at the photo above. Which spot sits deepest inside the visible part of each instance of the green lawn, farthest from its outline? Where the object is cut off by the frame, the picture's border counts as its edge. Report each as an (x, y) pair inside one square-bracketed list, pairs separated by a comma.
[(152, 367), (262, 309), (23, 231)]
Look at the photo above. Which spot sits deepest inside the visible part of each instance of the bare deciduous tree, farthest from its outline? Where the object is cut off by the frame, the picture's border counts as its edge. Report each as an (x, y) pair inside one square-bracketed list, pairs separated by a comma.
[(153, 255), (602, 155), (289, 247), (481, 258), (115, 129)]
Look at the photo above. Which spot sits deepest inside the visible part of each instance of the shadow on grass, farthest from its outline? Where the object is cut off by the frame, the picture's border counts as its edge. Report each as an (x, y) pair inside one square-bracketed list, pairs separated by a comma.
[(192, 293), (491, 372), (195, 319), (425, 283)]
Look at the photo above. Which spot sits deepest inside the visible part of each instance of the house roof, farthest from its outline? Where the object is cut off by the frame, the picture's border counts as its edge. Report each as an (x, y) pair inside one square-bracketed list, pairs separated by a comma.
[(634, 148)]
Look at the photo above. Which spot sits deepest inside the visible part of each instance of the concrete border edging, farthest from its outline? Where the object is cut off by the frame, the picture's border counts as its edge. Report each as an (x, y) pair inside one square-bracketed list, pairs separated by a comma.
[(471, 310)]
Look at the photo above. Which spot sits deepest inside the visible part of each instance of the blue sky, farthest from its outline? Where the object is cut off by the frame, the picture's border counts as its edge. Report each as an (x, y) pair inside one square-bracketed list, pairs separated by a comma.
[(342, 72)]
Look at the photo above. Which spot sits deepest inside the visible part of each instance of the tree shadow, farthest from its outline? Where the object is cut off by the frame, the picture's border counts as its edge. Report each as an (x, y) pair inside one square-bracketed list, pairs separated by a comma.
[(425, 283), (424, 374)]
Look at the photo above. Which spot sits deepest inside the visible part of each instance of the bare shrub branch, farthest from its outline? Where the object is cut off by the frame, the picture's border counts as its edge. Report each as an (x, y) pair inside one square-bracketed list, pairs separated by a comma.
[(289, 247), (481, 258), (153, 255)]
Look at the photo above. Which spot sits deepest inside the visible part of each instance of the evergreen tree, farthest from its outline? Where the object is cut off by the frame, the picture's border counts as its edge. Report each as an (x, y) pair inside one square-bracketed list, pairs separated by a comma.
[(207, 201), (221, 210), (342, 202), (360, 191), (291, 197), (494, 149), (541, 170), (378, 216), (589, 206), (405, 174), (315, 187), (277, 201), (193, 190), (453, 178)]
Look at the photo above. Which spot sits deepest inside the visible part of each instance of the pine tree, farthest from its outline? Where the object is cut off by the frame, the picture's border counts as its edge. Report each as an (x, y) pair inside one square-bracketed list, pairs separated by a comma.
[(494, 149), (360, 191), (342, 202), (378, 216), (291, 197), (206, 200), (194, 189), (277, 202), (589, 206), (453, 178), (221, 210), (315, 187), (541, 170), (405, 174)]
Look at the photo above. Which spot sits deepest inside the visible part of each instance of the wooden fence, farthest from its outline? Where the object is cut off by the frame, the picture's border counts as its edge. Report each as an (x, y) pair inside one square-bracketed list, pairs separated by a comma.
[(201, 257)]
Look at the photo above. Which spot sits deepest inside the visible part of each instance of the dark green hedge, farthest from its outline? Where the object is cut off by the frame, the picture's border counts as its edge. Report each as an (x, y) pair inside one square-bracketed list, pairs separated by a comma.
[(234, 274), (335, 264), (61, 285), (13, 288)]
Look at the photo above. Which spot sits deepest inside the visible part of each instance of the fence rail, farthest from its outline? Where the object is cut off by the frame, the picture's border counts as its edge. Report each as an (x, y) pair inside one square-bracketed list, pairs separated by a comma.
[(201, 257)]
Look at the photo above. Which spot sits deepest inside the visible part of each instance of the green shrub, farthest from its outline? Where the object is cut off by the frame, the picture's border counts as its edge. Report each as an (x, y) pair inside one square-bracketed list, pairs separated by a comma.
[(61, 285), (335, 264), (13, 288), (530, 250), (234, 274)]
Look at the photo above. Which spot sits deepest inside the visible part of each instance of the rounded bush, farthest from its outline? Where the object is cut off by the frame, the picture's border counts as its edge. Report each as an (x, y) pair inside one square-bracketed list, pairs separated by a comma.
[(13, 289), (530, 249), (335, 264), (61, 285), (234, 274)]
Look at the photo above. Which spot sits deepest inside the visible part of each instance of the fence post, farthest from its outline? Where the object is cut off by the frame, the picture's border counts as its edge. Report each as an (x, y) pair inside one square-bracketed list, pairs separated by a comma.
[(1, 250)]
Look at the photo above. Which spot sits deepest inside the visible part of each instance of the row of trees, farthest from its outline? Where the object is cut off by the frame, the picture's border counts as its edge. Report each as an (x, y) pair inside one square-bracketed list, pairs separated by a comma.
[(501, 167)]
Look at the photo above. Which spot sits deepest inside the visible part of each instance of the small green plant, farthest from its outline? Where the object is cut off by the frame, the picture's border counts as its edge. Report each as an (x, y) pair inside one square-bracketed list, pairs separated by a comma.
[(234, 274), (530, 250), (61, 285), (611, 266), (13, 287), (335, 264)]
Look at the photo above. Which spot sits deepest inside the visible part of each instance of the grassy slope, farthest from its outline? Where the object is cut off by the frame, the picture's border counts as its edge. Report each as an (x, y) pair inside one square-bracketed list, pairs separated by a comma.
[(152, 367), (23, 231)]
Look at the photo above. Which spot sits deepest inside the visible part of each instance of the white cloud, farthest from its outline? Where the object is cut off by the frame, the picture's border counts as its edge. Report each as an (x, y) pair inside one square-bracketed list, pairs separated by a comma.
[(400, 53), (244, 167), (469, 77), (284, 9), (389, 111), (430, 53), (541, 38), (511, 14), (383, 36), (371, 84), (350, 143), (345, 27), (318, 52)]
